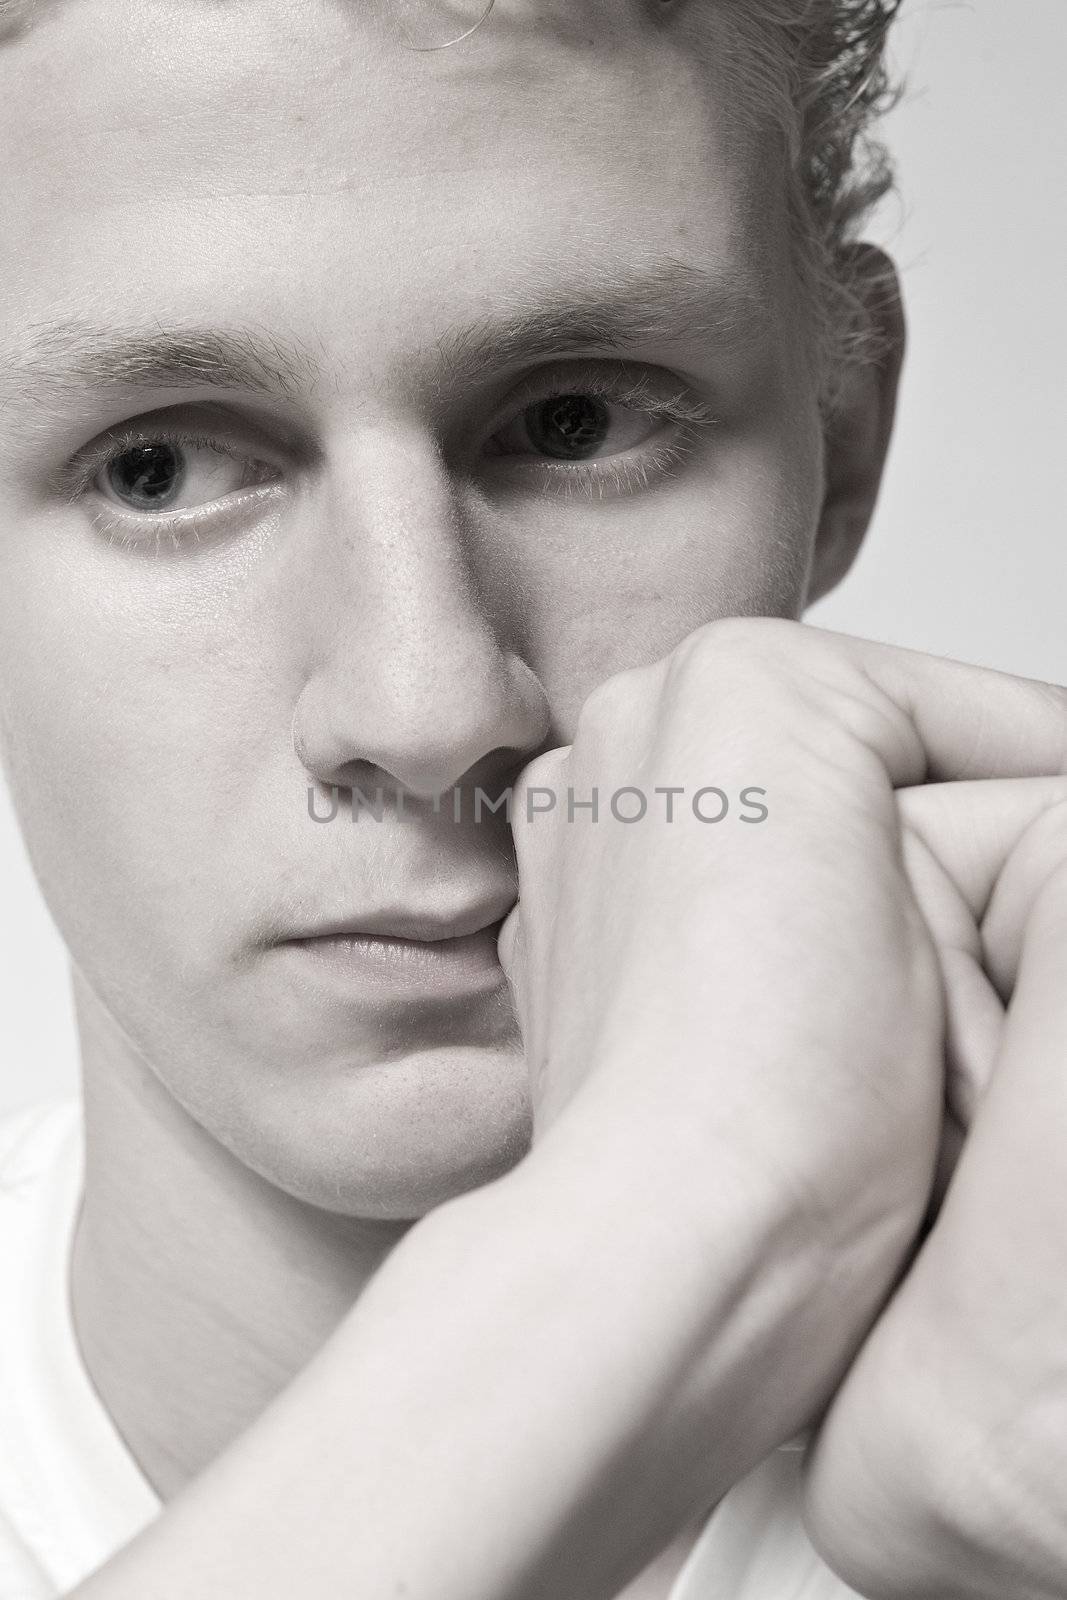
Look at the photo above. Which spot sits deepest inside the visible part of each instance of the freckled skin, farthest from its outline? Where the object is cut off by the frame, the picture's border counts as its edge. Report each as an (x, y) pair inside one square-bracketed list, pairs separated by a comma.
[(389, 616)]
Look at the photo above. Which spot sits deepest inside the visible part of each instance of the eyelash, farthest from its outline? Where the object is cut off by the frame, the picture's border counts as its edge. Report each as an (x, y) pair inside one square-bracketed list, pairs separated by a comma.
[(626, 473), (629, 471), (168, 528)]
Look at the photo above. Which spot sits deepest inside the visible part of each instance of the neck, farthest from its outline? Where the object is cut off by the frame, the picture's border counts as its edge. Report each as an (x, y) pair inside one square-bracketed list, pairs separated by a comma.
[(198, 1289)]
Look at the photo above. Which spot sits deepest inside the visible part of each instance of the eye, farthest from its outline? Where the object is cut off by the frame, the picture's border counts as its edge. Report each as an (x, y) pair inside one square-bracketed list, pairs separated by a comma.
[(150, 476), (574, 427), (598, 429)]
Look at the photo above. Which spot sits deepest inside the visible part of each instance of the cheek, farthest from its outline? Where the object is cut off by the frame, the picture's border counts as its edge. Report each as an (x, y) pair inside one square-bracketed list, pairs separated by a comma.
[(132, 738), (608, 587)]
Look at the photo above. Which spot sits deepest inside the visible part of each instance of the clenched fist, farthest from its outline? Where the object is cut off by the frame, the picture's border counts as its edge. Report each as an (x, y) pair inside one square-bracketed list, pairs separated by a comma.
[(748, 1020)]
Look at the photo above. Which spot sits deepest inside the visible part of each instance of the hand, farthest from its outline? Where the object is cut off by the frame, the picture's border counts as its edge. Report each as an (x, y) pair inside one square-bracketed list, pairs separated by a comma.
[(754, 1016), (957, 839), (941, 1466)]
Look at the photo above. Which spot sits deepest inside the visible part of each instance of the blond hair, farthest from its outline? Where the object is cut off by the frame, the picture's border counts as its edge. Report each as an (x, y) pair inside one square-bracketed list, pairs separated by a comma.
[(816, 69)]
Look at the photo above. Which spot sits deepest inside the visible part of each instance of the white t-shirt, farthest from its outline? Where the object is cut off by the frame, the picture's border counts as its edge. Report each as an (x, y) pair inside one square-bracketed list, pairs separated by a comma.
[(70, 1492)]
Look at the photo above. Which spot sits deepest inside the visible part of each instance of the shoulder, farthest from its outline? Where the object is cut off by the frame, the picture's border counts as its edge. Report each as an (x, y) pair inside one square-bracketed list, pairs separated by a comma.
[(31, 1136)]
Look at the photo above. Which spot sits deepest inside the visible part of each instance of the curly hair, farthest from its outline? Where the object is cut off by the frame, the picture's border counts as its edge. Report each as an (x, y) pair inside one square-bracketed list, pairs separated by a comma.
[(817, 69)]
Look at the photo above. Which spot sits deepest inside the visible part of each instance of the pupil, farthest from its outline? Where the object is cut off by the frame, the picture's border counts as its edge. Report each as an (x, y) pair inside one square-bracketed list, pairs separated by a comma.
[(146, 474), (568, 426)]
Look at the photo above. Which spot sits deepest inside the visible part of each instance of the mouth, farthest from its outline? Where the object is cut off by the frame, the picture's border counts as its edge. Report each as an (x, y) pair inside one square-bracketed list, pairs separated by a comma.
[(402, 927), (407, 954)]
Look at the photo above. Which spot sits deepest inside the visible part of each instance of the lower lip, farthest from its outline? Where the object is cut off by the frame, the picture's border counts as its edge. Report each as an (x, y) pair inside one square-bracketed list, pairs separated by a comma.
[(428, 966)]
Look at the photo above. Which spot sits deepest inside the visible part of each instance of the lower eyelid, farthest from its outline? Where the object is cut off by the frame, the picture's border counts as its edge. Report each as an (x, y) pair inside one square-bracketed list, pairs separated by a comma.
[(79, 474), (627, 472), (134, 531)]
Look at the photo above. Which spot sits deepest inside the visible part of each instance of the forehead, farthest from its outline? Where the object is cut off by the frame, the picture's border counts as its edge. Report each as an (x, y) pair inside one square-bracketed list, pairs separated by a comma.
[(303, 165)]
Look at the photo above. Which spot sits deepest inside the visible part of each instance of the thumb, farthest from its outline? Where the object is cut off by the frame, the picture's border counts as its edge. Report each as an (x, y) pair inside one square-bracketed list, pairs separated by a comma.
[(511, 952), (507, 944)]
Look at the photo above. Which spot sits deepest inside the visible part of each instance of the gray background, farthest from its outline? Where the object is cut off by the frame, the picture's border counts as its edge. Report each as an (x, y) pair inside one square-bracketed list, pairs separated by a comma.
[(966, 557)]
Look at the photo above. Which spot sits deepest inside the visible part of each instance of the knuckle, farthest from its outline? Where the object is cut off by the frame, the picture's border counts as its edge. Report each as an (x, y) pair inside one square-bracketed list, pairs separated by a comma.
[(736, 650), (907, 1492), (780, 675), (753, 636), (540, 773), (1051, 825), (609, 704), (1054, 695), (1040, 857), (872, 1529)]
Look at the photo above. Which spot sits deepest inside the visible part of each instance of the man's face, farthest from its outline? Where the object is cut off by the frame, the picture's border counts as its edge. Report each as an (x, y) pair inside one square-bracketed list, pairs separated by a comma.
[(373, 553)]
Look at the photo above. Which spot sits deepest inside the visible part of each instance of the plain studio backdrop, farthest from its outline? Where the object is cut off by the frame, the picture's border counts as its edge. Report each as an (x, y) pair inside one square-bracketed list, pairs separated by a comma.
[(967, 555)]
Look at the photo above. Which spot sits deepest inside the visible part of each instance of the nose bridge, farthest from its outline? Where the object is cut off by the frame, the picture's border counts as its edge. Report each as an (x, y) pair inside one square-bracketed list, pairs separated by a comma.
[(411, 674)]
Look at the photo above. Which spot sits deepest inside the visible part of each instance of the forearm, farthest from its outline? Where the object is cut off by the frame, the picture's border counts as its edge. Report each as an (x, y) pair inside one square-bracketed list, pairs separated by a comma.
[(939, 1474), (546, 1379), (941, 1467)]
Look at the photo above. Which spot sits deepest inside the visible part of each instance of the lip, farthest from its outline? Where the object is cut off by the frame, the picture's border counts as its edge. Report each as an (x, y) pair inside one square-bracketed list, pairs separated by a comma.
[(400, 926), (441, 965)]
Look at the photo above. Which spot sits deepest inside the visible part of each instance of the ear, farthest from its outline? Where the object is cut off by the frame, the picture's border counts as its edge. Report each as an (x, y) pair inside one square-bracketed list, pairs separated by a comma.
[(859, 429)]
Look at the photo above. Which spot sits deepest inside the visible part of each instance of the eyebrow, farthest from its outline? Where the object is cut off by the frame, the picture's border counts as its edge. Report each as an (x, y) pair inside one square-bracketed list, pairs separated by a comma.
[(673, 302), (68, 356)]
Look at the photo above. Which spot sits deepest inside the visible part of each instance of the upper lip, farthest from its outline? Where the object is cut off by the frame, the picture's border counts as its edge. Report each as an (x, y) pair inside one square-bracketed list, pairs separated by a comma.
[(420, 927)]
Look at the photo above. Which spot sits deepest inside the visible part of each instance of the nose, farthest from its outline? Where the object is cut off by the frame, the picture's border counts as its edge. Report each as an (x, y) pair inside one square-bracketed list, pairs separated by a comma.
[(408, 673)]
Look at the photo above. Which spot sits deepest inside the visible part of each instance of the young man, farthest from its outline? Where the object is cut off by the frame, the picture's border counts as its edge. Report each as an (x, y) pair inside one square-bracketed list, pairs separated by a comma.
[(379, 416)]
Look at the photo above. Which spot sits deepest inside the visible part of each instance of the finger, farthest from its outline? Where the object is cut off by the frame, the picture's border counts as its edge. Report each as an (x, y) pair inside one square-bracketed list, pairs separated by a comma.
[(973, 1012), (953, 1137), (989, 1271), (972, 828), (951, 1420), (1007, 1198), (507, 942), (1037, 867), (974, 1028), (957, 838), (970, 722), (970, 1350)]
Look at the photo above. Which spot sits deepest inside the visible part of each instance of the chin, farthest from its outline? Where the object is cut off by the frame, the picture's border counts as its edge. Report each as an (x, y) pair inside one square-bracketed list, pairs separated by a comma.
[(388, 1141)]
